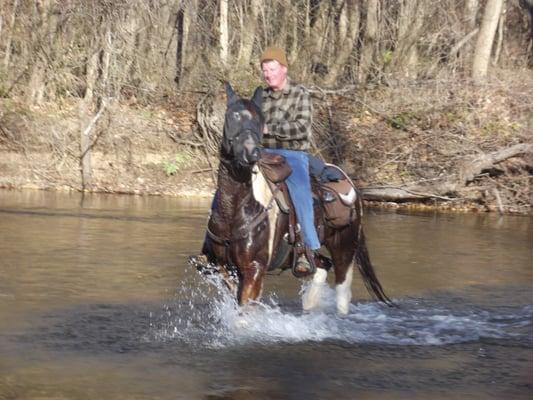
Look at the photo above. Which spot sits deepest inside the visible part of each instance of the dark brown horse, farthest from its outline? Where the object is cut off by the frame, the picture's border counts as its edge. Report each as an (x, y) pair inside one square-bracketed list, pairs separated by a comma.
[(246, 229)]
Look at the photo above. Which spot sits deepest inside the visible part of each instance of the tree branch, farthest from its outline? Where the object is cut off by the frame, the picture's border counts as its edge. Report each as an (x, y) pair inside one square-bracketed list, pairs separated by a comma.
[(91, 125)]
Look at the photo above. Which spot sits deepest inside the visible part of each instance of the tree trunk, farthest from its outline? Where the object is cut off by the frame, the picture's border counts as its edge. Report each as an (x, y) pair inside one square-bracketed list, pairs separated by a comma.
[(528, 7), (7, 54), (183, 23), (224, 32), (410, 22), (318, 33), (485, 39), (36, 86), (245, 52), (369, 41), (470, 14), (501, 30), (86, 106), (348, 32), (470, 11), (292, 50), (128, 24)]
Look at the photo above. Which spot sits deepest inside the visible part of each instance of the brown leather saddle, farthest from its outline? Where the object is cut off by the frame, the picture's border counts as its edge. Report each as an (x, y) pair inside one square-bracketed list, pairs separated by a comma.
[(337, 200)]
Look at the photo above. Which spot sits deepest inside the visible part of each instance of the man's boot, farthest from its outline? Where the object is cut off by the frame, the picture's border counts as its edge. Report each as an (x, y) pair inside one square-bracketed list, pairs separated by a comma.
[(306, 263)]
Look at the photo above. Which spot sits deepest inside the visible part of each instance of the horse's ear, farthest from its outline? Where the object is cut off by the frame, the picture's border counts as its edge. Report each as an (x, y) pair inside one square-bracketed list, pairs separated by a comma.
[(231, 96), (257, 98)]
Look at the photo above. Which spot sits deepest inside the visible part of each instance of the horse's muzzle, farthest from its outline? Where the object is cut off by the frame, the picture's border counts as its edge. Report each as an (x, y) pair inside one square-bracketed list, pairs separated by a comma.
[(251, 151)]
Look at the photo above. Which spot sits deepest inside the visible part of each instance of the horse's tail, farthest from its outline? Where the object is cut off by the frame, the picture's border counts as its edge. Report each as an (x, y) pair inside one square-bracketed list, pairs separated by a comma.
[(367, 271)]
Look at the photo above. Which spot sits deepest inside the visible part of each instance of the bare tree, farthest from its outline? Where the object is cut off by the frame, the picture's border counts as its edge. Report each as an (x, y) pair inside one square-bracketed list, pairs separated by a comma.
[(485, 40), (39, 66), (181, 41), (470, 11), (369, 40), (249, 32), (528, 7), (500, 32), (11, 24), (411, 18), (224, 32), (349, 16)]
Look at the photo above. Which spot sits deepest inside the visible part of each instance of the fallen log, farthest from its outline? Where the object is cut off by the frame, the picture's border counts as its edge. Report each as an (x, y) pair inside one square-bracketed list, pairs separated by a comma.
[(453, 186), (391, 193), (470, 169)]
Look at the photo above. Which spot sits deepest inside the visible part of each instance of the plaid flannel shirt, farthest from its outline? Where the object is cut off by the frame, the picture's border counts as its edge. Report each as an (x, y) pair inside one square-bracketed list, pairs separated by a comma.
[(288, 117)]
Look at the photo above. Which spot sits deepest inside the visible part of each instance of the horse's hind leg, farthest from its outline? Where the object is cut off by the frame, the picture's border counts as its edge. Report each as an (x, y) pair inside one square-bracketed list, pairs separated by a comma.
[(342, 254), (343, 289)]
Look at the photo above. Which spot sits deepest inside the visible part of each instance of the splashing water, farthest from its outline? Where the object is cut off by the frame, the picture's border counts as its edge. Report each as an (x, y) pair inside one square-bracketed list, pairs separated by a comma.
[(206, 314)]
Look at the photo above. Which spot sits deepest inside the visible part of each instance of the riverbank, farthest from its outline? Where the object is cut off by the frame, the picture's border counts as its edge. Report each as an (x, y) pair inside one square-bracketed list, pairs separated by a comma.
[(134, 150), (432, 145)]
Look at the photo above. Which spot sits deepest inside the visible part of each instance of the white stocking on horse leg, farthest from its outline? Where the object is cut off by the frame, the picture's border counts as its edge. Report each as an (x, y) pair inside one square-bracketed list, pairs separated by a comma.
[(311, 297), (344, 292)]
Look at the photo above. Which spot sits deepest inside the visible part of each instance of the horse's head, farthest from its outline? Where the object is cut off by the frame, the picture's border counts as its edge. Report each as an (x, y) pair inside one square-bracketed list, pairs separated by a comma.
[(243, 128)]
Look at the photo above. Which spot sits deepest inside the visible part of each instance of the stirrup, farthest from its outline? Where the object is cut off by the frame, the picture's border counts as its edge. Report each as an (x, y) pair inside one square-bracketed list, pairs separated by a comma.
[(307, 260)]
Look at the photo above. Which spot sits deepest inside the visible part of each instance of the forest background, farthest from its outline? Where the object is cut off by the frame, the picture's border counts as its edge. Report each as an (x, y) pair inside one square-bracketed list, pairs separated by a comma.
[(421, 102)]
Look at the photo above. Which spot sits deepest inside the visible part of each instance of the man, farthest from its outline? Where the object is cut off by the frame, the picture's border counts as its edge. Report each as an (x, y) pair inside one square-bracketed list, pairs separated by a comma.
[(288, 112)]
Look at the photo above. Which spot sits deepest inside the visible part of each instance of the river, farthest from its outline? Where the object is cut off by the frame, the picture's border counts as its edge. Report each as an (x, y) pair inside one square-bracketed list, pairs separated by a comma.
[(97, 302)]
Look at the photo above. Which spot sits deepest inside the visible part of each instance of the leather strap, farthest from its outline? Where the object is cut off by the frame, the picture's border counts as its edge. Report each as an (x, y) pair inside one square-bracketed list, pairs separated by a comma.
[(239, 234)]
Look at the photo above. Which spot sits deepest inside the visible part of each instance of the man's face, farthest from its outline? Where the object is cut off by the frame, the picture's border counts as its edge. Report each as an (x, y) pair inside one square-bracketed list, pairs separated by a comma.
[(275, 74)]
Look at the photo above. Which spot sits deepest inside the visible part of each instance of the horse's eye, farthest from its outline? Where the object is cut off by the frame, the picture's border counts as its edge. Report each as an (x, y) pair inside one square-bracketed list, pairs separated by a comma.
[(236, 116)]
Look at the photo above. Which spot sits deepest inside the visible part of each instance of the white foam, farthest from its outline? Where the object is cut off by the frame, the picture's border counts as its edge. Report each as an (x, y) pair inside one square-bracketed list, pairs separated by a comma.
[(211, 317)]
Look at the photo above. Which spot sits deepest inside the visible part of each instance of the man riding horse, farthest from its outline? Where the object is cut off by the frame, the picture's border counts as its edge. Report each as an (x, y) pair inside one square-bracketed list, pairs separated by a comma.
[(251, 230), (288, 110)]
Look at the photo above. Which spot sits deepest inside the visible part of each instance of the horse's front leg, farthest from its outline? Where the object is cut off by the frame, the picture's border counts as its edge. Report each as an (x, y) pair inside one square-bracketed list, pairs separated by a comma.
[(204, 267), (313, 292), (251, 282)]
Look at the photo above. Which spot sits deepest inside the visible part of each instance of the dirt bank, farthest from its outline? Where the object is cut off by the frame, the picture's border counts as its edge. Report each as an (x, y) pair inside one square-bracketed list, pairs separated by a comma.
[(426, 145), (135, 151)]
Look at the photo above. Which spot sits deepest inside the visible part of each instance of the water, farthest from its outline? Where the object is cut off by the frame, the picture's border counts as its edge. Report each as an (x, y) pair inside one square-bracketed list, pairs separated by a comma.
[(96, 301)]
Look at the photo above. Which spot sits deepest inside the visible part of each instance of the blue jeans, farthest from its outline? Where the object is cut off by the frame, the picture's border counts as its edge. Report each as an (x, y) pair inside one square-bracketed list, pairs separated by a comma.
[(299, 186)]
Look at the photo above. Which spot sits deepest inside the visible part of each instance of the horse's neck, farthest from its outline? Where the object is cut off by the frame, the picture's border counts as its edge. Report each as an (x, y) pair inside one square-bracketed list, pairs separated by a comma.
[(232, 191)]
